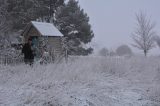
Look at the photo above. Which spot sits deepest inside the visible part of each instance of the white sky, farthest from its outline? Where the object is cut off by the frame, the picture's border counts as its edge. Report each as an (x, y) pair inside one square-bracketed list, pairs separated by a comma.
[(113, 21)]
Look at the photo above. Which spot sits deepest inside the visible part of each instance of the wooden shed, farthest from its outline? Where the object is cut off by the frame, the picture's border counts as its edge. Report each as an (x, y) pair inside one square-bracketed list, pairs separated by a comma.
[(44, 35)]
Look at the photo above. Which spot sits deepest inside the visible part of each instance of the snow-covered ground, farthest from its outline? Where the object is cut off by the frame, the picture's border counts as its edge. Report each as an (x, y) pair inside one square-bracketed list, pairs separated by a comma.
[(83, 81)]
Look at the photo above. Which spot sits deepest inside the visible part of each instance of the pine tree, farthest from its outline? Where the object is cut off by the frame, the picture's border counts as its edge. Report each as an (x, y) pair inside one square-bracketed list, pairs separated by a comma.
[(74, 24), (48, 8), (4, 23), (23, 11)]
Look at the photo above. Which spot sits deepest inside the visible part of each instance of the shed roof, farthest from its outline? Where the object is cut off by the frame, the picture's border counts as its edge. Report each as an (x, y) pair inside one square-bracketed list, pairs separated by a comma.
[(45, 29)]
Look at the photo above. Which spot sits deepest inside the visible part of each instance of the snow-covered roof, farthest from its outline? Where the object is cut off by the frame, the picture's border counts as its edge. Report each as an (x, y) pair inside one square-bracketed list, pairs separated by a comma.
[(46, 29)]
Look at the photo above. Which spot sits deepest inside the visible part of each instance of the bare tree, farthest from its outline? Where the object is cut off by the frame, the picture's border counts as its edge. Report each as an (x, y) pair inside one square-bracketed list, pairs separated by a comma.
[(144, 33)]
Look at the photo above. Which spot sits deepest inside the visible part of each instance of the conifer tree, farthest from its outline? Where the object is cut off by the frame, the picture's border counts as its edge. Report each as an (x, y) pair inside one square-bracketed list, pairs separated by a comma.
[(74, 24), (23, 11)]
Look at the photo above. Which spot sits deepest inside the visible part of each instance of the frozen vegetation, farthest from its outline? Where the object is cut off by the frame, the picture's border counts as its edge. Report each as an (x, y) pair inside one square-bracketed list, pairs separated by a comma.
[(83, 81)]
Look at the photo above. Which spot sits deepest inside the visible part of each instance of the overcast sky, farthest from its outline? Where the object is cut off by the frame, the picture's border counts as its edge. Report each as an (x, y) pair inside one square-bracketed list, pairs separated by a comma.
[(113, 21)]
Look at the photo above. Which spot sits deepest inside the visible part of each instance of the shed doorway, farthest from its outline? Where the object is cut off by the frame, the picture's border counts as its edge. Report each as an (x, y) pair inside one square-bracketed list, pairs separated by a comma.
[(35, 47)]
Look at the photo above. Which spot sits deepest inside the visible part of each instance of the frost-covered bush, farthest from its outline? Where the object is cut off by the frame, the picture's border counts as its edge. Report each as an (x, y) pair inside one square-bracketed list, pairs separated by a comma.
[(124, 50), (8, 53)]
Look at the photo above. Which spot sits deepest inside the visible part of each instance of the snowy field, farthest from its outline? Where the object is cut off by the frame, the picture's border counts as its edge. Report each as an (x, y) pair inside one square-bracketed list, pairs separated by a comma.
[(83, 81)]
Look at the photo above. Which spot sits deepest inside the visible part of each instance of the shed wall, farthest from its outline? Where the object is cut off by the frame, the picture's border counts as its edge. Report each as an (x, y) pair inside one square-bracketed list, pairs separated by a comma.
[(31, 32), (56, 45)]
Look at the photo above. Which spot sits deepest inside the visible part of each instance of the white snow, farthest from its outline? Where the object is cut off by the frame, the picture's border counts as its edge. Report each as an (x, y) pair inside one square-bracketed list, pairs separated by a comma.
[(73, 32), (46, 29), (83, 81)]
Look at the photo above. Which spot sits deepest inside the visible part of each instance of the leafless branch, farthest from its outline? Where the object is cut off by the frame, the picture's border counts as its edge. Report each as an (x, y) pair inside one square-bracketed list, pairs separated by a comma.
[(144, 33)]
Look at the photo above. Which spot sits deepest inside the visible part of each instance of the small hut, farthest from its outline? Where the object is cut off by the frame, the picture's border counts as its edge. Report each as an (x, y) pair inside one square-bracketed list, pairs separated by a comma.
[(45, 37)]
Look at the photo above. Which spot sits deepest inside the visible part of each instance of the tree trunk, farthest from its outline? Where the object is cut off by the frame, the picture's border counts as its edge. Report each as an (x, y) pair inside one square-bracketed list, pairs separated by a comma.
[(145, 53)]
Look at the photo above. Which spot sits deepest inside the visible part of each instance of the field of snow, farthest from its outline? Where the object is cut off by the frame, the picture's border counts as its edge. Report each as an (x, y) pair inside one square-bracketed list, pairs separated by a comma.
[(83, 81)]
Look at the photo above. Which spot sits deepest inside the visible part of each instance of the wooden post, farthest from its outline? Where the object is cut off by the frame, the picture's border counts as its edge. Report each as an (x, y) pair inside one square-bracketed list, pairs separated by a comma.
[(66, 55)]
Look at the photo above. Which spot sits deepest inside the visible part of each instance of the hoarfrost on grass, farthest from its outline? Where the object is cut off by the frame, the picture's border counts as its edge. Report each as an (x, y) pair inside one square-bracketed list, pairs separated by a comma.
[(83, 81)]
